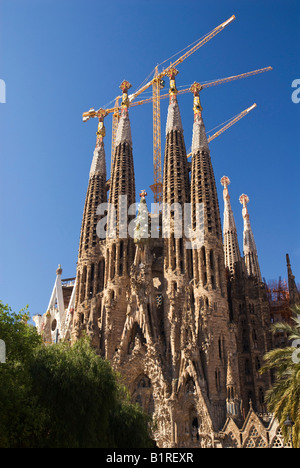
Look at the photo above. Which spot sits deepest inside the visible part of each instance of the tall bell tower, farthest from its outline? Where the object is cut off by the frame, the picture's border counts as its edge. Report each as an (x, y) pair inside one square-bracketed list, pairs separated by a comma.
[(91, 261)]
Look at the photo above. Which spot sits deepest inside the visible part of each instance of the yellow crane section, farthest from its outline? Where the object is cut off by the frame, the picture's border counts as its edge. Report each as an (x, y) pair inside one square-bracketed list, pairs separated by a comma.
[(157, 185), (229, 124), (223, 80), (93, 114), (232, 122), (193, 49), (156, 85)]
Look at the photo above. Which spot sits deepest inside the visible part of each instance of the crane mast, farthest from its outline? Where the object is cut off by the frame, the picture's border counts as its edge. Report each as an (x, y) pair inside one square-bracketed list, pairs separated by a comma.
[(156, 86), (157, 185), (115, 121)]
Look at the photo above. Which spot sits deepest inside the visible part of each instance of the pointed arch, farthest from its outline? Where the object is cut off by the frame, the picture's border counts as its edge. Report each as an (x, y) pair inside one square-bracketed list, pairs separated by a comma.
[(142, 393)]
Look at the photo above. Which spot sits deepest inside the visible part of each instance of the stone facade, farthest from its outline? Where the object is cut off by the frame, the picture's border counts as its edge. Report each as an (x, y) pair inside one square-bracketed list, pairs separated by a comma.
[(258, 431), (187, 328)]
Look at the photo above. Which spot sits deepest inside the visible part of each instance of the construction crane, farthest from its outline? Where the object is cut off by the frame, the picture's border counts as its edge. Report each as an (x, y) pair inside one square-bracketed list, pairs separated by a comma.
[(156, 83), (229, 124), (222, 80), (194, 48), (156, 187), (155, 99)]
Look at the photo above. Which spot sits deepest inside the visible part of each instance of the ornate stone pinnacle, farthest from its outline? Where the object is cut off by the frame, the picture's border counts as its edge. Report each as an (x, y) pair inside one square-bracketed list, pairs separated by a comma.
[(172, 72), (244, 199), (101, 114), (125, 86), (225, 181), (101, 130), (195, 89), (143, 194)]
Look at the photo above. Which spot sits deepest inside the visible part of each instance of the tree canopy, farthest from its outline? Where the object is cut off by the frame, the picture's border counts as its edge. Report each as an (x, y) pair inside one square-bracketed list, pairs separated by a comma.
[(283, 398), (61, 395)]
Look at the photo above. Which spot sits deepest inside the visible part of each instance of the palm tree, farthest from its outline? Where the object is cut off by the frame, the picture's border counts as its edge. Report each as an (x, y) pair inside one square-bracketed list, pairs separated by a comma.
[(283, 399)]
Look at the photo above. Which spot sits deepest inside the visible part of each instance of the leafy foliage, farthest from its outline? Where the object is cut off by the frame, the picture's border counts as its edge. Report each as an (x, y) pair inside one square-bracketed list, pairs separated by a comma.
[(284, 397), (62, 395), (18, 415)]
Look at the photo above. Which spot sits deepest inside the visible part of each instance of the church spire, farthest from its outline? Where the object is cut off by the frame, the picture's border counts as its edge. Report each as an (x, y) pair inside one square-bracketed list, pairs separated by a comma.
[(294, 293), (203, 185), (175, 180), (122, 180), (98, 163), (96, 193), (249, 247), (210, 287), (231, 246), (90, 265), (232, 401), (124, 131), (174, 118), (199, 133)]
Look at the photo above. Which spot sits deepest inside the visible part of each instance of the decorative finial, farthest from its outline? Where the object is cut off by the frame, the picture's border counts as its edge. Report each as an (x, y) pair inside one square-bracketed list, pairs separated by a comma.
[(172, 72), (125, 86), (195, 89), (143, 194), (244, 199), (249, 247), (101, 129), (225, 181), (59, 270)]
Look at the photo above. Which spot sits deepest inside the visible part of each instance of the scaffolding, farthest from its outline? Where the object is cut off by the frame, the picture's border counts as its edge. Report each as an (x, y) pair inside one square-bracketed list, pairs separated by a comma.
[(279, 300)]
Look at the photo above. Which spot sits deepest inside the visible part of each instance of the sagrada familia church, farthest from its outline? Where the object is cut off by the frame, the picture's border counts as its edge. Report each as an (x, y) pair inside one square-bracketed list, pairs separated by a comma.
[(187, 328)]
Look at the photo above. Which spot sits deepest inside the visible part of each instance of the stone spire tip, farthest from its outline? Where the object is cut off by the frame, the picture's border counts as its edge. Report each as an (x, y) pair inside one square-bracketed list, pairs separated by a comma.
[(225, 181), (123, 133), (98, 165), (244, 200), (173, 118)]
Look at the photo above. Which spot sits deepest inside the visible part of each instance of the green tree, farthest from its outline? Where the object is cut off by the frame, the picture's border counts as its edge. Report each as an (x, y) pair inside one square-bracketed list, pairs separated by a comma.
[(86, 404), (18, 412), (62, 395), (283, 399), (129, 426)]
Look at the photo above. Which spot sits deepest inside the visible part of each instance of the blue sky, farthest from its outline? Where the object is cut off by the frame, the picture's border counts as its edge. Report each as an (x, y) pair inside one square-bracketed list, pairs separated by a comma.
[(61, 57)]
